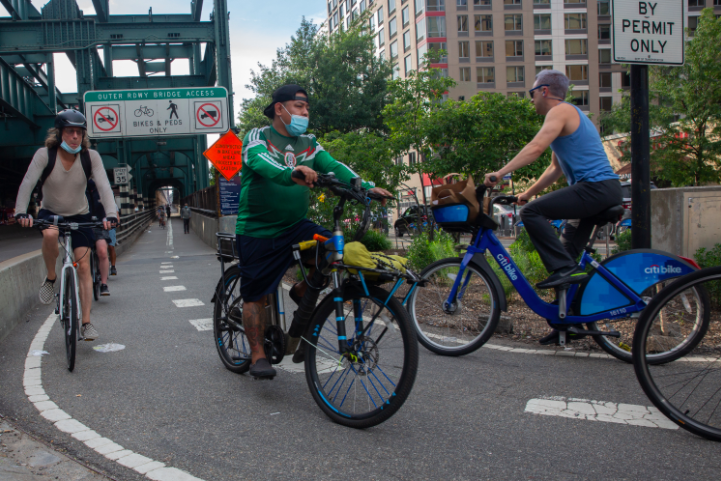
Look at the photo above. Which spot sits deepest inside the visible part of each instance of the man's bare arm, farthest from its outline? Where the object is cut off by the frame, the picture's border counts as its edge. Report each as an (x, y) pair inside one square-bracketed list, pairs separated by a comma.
[(550, 176)]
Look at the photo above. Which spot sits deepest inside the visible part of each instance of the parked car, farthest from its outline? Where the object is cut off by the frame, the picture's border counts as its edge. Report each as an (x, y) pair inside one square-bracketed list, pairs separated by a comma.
[(413, 216), (626, 190)]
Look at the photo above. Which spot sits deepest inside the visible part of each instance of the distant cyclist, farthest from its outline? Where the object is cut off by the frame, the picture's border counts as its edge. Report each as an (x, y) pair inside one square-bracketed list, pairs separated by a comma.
[(592, 185), (273, 207), (102, 237), (64, 165)]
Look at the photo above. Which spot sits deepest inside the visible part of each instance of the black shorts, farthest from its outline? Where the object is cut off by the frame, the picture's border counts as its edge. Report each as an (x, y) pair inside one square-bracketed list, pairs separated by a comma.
[(82, 237), (264, 261)]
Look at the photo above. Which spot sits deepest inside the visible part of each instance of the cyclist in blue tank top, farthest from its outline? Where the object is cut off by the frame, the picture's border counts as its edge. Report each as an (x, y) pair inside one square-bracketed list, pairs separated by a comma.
[(592, 185)]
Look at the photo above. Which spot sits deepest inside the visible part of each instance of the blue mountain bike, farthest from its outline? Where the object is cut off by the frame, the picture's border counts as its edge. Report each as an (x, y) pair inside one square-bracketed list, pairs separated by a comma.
[(459, 308)]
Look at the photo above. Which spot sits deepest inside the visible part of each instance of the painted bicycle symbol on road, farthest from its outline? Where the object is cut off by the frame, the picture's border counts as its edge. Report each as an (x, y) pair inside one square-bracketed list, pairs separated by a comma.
[(144, 111)]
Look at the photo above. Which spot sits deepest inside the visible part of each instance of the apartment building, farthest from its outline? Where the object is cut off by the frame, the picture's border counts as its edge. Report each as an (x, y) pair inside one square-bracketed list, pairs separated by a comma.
[(500, 45)]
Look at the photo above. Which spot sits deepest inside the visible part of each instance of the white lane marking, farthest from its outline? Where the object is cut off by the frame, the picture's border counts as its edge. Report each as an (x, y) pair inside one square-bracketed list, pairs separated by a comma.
[(168, 266), (174, 288), (169, 238), (175, 257), (110, 347), (169, 278), (32, 381), (166, 262), (188, 302), (609, 412), (324, 365), (203, 324), (167, 272)]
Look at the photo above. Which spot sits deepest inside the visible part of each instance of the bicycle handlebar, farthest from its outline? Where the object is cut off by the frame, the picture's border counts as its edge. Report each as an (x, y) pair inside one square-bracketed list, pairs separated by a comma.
[(67, 225)]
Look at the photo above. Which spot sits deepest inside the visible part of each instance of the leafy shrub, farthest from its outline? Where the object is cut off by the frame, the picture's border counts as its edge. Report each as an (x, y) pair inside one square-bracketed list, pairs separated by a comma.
[(623, 242), (376, 241), (711, 258), (423, 252)]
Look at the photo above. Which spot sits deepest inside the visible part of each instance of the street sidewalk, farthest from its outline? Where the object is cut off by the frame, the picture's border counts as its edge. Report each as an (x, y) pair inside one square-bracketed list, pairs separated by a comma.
[(24, 458)]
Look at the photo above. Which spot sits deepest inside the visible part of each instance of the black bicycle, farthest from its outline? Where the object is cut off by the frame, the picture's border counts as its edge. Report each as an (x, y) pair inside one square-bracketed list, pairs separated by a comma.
[(688, 390), (361, 350), (68, 299), (95, 272)]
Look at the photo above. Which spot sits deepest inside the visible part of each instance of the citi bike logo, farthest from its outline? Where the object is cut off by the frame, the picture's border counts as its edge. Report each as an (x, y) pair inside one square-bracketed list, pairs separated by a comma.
[(505, 263), (655, 269)]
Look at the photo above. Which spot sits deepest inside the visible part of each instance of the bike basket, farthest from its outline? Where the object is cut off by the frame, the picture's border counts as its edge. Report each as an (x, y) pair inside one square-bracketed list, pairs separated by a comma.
[(226, 246), (460, 218)]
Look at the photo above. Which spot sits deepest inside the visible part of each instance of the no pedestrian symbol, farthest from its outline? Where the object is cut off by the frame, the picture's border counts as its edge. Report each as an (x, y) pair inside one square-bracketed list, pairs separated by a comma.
[(208, 115), (225, 154), (106, 118)]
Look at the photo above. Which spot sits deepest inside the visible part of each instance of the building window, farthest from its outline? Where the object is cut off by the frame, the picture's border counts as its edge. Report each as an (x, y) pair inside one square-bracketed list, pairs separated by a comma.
[(354, 14), (461, 3), (421, 52), (406, 40), (465, 74), (604, 7), (408, 64), (604, 80), (391, 6), (543, 67), (405, 16), (717, 3), (696, 3), (541, 2), (485, 75), (353, 2), (515, 74), (363, 6), (574, 1), (372, 23), (577, 46), (520, 95), (692, 25), (436, 5), (330, 9), (544, 47), (513, 22), (380, 16), (606, 104), (464, 49), (435, 49), (485, 3), (411, 158), (580, 97), (604, 55), (514, 48), (604, 32), (577, 72), (625, 79), (436, 26), (396, 71), (542, 21), (511, 2), (463, 23), (484, 48), (392, 27), (420, 6), (394, 50), (484, 23), (381, 38), (575, 21)]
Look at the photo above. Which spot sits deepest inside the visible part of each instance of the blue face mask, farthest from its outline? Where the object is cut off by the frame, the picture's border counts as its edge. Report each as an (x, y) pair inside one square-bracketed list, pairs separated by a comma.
[(69, 149), (298, 124)]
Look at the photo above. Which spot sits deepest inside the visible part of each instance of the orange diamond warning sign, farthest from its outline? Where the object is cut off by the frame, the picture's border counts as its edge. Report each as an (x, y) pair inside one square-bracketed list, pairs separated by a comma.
[(225, 154)]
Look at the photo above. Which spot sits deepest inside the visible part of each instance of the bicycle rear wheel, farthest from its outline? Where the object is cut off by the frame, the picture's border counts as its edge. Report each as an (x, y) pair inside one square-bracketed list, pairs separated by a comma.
[(464, 327), (366, 388), (69, 318), (682, 324), (687, 391), (232, 345)]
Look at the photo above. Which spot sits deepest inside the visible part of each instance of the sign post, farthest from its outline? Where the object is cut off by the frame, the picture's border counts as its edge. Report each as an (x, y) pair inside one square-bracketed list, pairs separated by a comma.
[(645, 32)]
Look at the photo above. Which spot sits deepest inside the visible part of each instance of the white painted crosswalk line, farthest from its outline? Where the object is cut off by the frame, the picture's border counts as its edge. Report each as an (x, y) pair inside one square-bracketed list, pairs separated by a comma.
[(169, 278), (174, 288), (203, 324), (609, 412), (188, 302), (167, 272), (167, 267)]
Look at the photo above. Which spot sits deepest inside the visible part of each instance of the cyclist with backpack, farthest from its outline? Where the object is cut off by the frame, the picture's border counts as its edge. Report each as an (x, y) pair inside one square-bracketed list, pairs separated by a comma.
[(62, 169), (102, 236)]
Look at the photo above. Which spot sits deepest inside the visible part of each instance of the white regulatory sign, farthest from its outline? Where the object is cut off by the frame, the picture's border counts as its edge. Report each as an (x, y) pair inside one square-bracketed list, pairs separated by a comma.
[(648, 32), (121, 175)]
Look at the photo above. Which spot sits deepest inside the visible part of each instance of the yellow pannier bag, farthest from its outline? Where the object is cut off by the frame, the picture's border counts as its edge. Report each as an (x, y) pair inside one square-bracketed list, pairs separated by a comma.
[(356, 254)]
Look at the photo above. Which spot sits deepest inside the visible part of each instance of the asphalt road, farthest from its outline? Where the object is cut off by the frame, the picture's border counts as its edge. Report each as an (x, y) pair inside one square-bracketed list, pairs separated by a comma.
[(166, 396)]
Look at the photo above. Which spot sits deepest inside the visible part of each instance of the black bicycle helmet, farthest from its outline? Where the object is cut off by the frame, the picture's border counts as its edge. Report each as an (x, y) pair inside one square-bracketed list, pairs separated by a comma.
[(70, 118)]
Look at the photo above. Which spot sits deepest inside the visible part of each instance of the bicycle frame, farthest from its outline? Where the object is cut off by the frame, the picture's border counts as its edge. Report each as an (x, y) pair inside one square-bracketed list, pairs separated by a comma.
[(68, 264), (486, 240)]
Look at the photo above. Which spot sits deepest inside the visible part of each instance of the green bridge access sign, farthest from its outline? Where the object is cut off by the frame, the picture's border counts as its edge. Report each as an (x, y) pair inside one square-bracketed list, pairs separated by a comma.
[(156, 112)]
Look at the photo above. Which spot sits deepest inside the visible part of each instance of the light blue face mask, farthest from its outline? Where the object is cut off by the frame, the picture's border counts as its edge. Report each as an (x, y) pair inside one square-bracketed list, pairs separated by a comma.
[(298, 124), (69, 149)]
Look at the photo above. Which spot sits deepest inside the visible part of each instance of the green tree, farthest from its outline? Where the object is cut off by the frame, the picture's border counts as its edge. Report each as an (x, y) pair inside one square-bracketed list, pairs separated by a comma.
[(685, 111), (345, 79)]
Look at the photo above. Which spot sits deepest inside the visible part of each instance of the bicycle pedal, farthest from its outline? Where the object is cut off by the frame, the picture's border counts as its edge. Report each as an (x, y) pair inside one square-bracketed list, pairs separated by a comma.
[(265, 378)]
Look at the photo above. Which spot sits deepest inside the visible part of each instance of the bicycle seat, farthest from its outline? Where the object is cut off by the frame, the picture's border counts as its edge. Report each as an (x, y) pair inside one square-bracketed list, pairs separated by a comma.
[(612, 214)]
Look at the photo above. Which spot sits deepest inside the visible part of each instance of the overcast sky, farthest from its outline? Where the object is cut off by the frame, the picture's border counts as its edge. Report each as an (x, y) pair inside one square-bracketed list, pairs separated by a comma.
[(257, 29)]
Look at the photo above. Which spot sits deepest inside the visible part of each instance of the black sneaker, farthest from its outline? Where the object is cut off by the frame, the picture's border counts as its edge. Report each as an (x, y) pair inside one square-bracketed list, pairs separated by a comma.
[(572, 275), (113, 271), (299, 355), (104, 291), (262, 369)]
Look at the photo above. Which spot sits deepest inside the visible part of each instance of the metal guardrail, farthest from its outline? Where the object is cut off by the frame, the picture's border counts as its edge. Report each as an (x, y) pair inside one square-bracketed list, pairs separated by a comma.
[(129, 224), (205, 212)]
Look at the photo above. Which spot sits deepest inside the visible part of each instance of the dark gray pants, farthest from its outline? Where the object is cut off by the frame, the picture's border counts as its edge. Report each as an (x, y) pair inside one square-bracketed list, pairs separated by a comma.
[(575, 203)]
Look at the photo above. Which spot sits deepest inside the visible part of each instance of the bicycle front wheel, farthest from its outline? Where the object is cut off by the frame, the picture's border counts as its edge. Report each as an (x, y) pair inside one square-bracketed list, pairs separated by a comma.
[(687, 391), (462, 326), (95, 272), (366, 385), (230, 340), (69, 318)]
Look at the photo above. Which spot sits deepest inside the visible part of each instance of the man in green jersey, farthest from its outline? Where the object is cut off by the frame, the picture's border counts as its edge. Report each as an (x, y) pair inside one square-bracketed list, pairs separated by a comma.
[(273, 206)]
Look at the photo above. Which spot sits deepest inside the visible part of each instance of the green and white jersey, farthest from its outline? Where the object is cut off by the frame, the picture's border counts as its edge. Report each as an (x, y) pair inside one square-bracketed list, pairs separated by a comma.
[(270, 202)]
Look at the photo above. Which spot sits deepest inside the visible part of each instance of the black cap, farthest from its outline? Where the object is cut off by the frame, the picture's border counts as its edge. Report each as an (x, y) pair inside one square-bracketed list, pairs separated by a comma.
[(283, 94)]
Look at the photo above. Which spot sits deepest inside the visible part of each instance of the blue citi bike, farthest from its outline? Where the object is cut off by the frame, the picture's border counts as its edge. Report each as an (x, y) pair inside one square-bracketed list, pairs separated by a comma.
[(459, 307)]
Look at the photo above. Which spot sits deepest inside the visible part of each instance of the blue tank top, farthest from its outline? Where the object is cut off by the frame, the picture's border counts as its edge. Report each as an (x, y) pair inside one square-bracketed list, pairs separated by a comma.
[(581, 154)]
